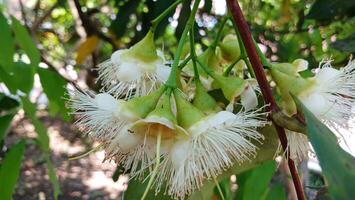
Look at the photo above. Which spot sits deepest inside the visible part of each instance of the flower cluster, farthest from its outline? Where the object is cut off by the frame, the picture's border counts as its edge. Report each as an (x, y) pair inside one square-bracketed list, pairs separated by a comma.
[(149, 127), (329, 95)]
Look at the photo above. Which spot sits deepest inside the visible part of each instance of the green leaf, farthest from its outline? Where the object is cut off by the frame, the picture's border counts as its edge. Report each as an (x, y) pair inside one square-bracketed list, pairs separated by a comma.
[(5, 122), (256, 183), (345, 45), (24, 40), (136, 189), (54, 87), (324, 10), (205, 193), (10, 170), (277, 192), (30, 111), (8, 80), (225, 186), (43, 142), (53, 177), (125, 10), (7, 42), (337, 165), (21, 79), (24, 76), (7, 103)]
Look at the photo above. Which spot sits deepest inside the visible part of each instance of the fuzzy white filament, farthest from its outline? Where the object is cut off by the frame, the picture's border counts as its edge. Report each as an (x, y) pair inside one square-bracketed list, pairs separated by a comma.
[(126, 76), (215, 144), (298, 146), (333, 99), (99, 114)]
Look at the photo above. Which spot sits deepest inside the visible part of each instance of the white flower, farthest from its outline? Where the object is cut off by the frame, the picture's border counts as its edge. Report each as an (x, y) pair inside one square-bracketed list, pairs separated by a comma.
[(332, 98), (134, 72), (101, 116), (214, 144), (298, 146), (113, 123)]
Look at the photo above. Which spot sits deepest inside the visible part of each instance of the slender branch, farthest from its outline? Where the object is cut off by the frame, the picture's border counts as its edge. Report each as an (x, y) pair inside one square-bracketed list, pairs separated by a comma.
[(193, 53), (51, 66), (219, 34), (247, 39), (89, 27), (39, 21), (157, 20)]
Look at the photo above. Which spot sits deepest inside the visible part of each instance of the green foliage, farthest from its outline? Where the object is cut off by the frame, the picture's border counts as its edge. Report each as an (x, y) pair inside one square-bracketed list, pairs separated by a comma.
[(7, 103), (7, 42), (5, 122), (54, 87), (25, 41), (325, 10), (43, 141), (345, 45), (125, 10), (338, 166), (10, 170), (254, 184), (136, 189)]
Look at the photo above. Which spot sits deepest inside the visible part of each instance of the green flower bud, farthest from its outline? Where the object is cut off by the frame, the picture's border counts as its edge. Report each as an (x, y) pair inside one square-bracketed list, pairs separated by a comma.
[(187, 114), (145, 49), (288, 83), (230, 49), (231, 87), (143, 105), (203, 100)]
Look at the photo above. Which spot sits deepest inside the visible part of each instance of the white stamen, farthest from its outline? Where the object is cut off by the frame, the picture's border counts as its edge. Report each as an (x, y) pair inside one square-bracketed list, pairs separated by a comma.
[(126, 76)]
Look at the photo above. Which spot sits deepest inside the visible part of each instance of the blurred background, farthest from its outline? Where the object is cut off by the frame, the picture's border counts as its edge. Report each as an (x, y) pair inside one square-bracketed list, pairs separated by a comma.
[(67, 39)]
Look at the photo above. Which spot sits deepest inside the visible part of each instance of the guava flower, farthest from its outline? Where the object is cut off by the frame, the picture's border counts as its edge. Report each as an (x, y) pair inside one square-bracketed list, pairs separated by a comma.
[(332, 97), (100, 115), (298, 146), (329, 95), (215, 142), (136, 71), (110, 122)]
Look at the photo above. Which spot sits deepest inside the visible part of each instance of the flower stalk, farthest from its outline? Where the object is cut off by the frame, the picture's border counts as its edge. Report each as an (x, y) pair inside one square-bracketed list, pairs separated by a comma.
[(172, 82), (157, 20), (243, 29)]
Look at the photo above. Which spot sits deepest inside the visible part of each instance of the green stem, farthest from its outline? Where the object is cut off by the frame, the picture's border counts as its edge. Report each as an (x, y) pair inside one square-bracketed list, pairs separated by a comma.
[(86, 153), (157, 20), (205, 68), (243, 53), (219, 34), (230, 67), (157, 163), (219, 188), (171, 82), (193, 53), (184, 63), (262, 57)]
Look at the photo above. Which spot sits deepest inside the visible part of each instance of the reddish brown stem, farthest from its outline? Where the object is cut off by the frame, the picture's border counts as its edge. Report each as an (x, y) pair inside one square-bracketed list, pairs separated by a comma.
[(258, 68)]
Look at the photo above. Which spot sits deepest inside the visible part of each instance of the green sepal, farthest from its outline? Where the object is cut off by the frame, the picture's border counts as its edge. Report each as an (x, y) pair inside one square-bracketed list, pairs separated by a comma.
[(230, 49), (163, 109), (145, 49), (187, 114), (143, 105), (287, 84), (286, 68), (203, 100), (208, 58), (230, 86)]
